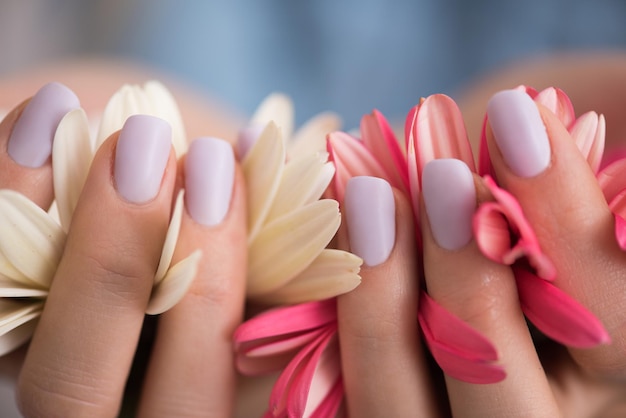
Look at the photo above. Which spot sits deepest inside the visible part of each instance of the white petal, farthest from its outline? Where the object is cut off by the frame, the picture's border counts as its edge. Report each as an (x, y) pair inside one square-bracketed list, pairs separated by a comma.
[(303, 181), (285, 247), (12, 312), (175, 284), (262, 168), (278, 108), (18, 336), (19, 289), (332, 273), (311, 137), (71, 159), (36, 242), (170, 239), (165, 107)]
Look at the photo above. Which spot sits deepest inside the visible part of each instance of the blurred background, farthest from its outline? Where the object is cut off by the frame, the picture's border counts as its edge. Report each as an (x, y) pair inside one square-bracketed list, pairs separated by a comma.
[(348, 56)]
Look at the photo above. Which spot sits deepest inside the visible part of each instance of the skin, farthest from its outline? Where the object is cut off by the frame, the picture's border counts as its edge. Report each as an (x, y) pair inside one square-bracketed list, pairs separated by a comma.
[(69, 372)]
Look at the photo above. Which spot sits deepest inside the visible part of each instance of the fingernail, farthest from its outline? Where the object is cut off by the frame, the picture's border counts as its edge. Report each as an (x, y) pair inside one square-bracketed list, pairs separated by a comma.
[(143, 149), (371, 217), (30, 142), (519, 132), (450, 200), (209, 178), (247, 138)]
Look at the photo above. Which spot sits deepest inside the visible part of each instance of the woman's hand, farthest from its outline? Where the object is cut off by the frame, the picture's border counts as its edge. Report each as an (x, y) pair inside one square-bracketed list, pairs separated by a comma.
[(385, 371), (80, 356)]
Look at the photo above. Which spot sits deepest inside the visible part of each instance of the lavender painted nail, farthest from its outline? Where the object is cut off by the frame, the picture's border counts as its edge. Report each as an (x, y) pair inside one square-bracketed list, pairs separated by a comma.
[(371, 217), (30, 142), (450, 200), (143, 149), (209, 178), (519, 132)]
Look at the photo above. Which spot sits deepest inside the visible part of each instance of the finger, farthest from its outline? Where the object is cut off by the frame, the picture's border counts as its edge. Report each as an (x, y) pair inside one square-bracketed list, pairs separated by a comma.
[(536, 159), (383, 366), (481, 293), (82, 350), (191, 370), (26, 136)]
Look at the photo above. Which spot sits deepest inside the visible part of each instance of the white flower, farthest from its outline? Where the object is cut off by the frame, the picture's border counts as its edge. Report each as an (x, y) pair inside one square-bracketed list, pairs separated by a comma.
[(32, 240), (289, 226)]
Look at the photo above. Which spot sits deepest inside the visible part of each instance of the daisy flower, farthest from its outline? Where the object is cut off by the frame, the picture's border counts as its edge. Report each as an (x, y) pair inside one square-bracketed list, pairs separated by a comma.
[(32, 239)]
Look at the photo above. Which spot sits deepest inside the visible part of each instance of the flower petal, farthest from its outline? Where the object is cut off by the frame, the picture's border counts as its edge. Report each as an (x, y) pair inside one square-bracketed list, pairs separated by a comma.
[(19, 335), (151, 99), (612, 179), (71, 159), (286, 320), (439, 132), (268, 355), (620, 231), (174, 285), (285, 247), (171, 238), (378, 137), (311, 137), (303, 181), (556, 314), (15, 289), (36, 243), (12, 311), (559, 103), (448, 330), (351, 158), (588, 132), (460, 351), (527, 244), (332, 273), (276, 108), (262, 168), (163, 105)]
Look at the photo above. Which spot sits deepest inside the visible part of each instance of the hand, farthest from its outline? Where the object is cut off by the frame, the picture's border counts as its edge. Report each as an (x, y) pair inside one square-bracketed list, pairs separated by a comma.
[(385, 371), (80, 356)]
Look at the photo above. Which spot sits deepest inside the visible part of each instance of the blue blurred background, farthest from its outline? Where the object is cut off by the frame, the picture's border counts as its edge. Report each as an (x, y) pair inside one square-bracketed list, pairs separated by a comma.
[(343, 55)]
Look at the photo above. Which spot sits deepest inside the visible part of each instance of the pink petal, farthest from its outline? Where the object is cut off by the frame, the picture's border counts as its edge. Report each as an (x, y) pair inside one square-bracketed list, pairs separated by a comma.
[(286, 320), (291, 390), (492, 232), (527, 244), (351, 158), (485, 168), (379, 138), (462, 353), (445, 329), (588, 132), (612, 179), (439, 132), (331, 403), (556, 314), (620, 231), (260, 366), (532, 92), (557, 101)]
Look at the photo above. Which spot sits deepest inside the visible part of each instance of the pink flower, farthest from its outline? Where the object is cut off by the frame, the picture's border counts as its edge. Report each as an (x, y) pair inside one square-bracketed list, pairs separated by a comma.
[(300, 340), (504, 235)]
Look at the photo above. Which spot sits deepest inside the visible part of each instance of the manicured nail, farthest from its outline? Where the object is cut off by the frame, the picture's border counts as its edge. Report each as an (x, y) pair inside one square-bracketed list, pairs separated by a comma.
[(30, 142), (143, 149), (519, 132), (450, 200), (209, 177), (371, 217), (247, 138)]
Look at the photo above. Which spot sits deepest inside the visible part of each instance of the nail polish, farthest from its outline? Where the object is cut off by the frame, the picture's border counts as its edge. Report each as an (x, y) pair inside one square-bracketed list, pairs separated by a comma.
[(209, 178), (519, 132), (141, 155), (371, 218), (30, 142), (450, 200)]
